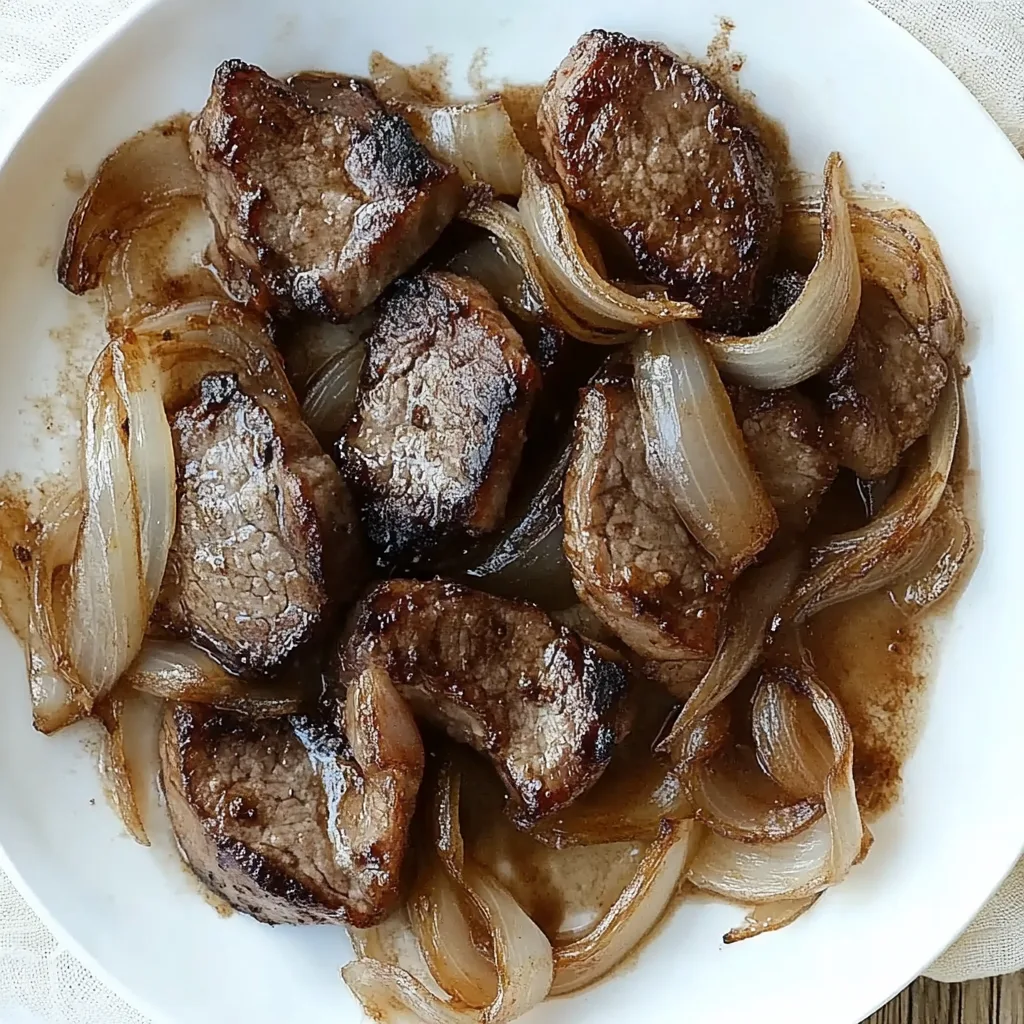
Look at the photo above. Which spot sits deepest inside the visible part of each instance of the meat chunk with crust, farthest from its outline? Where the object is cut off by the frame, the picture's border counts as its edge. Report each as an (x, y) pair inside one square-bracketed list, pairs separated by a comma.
[(301, 819), (881, 393), (438, 433), (266, 534), (545, 705), (652, 148), (319, 202), (786, 442), (633, 561)]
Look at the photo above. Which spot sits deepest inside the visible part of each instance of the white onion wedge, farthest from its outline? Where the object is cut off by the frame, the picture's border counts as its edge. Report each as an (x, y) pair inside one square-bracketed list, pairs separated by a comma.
[(601, 948), (753, 603), (813, 859), (815, 329), (149, 170), (770, 917), (332, 395), (107, 606), (853, 563), (695, 449), (393, 993), (792, 745), (150, 456), (532, 296), (177, 671), (564, 264)]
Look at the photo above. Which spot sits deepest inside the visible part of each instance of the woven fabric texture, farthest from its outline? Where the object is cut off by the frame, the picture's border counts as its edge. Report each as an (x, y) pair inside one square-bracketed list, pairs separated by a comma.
[(981, 41)]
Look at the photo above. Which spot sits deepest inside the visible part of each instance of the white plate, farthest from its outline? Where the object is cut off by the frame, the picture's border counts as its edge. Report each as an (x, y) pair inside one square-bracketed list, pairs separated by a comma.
[(838, 75)]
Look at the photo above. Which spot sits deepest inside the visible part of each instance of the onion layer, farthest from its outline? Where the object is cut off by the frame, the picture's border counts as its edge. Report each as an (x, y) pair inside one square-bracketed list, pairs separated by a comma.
[(695, 449), (770, 917), (149, 170), (601, 948), (531, 297), (178, 671), (564, 264), (526, 558), (810, 861), (753, 603), (854, 563), (333, 392), (389, 978), (815, 329)]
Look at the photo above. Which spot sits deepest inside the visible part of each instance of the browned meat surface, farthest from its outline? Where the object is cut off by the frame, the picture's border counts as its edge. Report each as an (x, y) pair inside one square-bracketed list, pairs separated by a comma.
[(320, 197), (545, 705), (266, 533), (786, 443), (438, 434), (652, 147), (633, 561), (300, 819), (882, 391)]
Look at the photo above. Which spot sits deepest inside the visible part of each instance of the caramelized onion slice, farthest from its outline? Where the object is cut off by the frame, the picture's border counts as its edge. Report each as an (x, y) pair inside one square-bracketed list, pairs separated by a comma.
[(695, 449), (580, 287), (813, 859), (333, 393), (592, 955), (393, 992), (734, 798), (531, 297), (525, 559), (178, 671), (792, 744), (770, 917), (815, 329), (108, 604), (755, 600), (942, 552), (851, 564), (148, 170), (311, 345)]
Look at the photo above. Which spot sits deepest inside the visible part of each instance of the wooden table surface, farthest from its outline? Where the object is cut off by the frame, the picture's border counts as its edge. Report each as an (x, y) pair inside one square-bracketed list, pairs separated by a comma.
[(988, 1001)]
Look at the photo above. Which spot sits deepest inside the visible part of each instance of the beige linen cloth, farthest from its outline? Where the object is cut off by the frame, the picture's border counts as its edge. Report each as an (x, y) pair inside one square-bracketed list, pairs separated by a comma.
[(982, 41)]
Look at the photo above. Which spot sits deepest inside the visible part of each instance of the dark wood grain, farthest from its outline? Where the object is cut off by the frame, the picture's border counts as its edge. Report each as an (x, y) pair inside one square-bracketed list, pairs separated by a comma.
[(986, 1001)]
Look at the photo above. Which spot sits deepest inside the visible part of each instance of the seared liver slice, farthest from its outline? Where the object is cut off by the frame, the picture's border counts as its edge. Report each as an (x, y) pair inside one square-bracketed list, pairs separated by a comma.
[(296, 820), (651, 147), (266, 533), (784, 436), (881, 393), (438, 434), (317, 207), (545, 705), (634, 563)]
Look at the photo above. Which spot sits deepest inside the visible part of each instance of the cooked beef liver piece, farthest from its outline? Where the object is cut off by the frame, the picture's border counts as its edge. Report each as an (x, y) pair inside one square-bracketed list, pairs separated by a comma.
[(266, 535), (786, 442), (317, 207), (545, 705), (633, 561), (300, 819), (651, 147), (444, 400), (882, 391)]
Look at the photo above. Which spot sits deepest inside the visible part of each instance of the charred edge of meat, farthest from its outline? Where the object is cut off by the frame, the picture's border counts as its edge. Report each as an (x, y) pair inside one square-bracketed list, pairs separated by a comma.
[(404, 534)]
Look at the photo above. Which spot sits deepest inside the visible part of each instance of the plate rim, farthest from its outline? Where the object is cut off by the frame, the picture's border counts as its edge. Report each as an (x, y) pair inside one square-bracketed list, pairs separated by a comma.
[(30, 113)]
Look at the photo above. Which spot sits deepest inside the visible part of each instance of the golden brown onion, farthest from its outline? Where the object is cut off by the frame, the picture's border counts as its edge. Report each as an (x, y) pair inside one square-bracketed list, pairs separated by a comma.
[(695, 449), (815, 329), (572, 275)]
